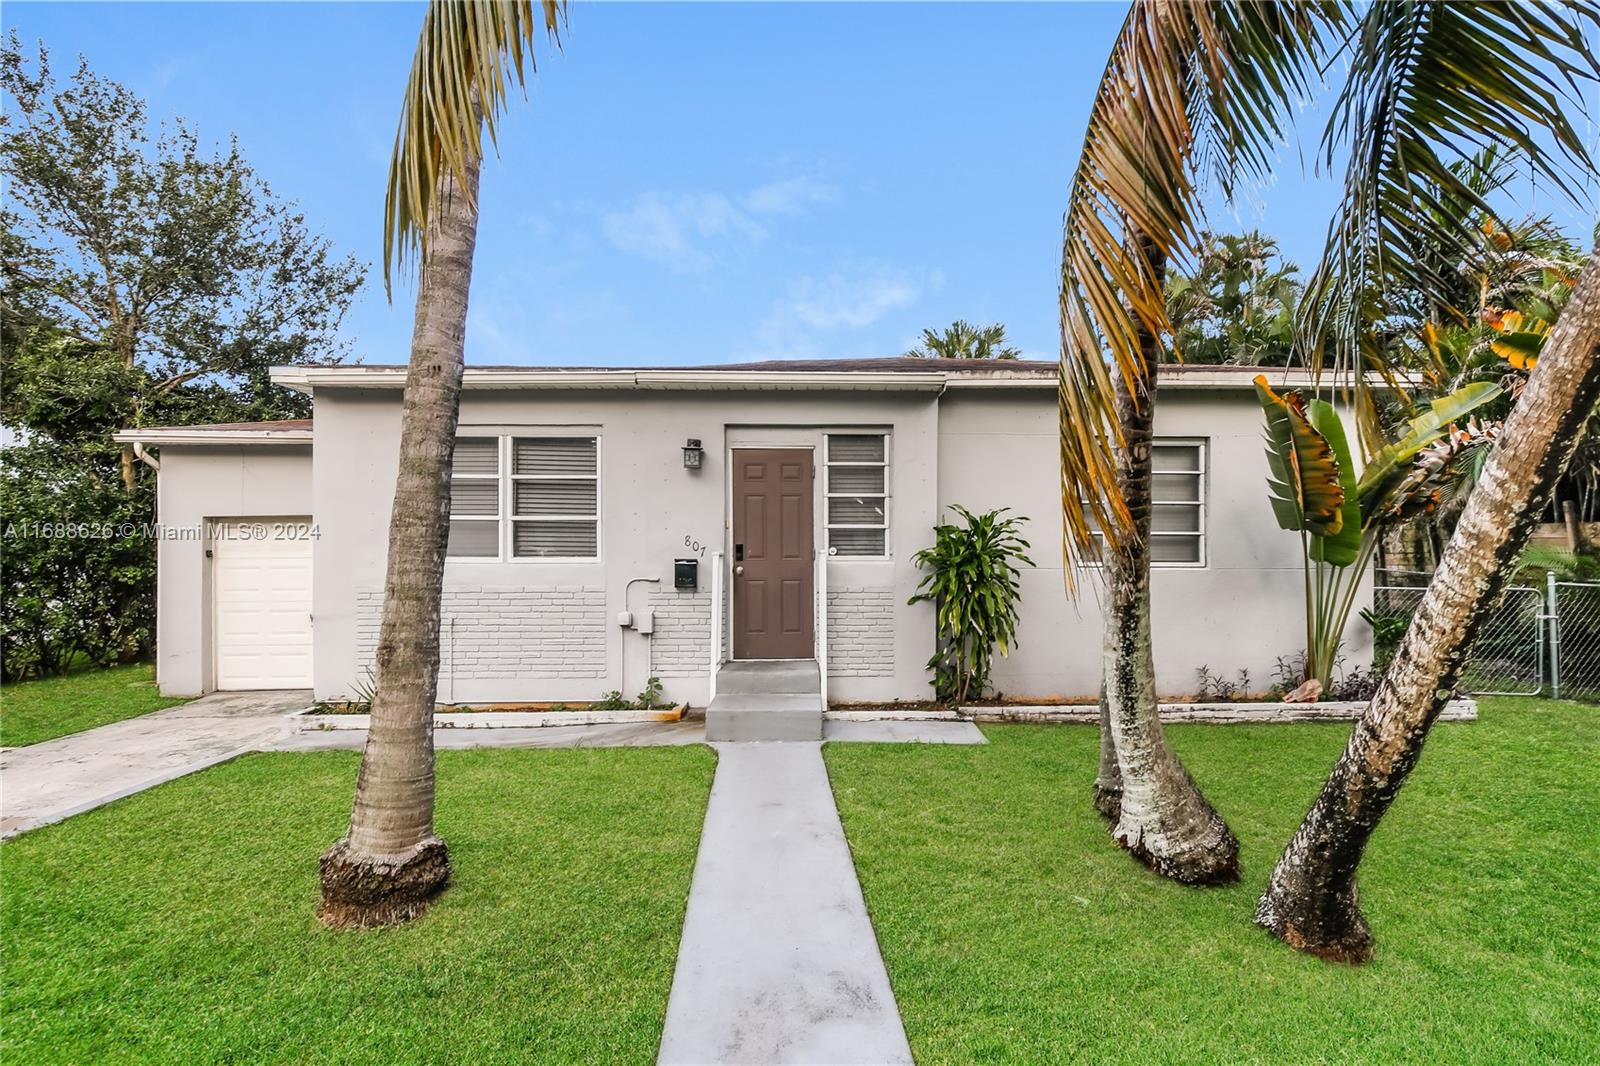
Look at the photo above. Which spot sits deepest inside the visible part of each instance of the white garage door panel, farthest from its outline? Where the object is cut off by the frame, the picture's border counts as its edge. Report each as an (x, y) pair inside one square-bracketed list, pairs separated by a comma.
[(262, 597)]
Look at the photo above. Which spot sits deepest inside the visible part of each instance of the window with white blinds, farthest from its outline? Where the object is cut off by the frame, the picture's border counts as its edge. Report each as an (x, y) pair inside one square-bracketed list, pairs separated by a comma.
[(555, 498), (857, 491), (475, 499), (526, 498), (1177, 497)]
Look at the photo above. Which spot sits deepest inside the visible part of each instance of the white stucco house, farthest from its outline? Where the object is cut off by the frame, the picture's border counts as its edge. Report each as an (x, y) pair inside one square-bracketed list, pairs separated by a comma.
[(610, 525)]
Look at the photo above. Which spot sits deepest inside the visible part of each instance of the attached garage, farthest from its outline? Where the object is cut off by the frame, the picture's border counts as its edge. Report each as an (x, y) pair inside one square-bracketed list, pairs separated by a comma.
[(234, 554), (261, 609)]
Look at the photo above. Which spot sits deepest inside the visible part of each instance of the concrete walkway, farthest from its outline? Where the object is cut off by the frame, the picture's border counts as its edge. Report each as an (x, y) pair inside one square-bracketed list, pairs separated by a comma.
[(778, 961), (44, 783)]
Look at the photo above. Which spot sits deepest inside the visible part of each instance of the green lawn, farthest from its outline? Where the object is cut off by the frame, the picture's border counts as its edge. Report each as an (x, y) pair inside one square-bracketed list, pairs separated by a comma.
[(1015, 932), (56, 706), (177, 925)]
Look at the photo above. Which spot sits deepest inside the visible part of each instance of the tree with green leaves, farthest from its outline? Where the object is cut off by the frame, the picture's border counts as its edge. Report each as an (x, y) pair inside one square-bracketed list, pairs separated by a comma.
[(390, 864), (1190, 89), (173, 263), (145, 282), (963, 340), (1427, 84), (1238, 305)]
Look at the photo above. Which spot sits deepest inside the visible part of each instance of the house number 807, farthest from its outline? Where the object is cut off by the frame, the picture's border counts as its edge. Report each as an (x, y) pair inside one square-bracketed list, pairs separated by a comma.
[(694, 546)]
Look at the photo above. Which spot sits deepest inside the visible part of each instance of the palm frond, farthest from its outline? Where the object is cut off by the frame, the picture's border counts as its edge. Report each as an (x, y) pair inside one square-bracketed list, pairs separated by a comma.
[(1431, 87), (1192, 90), (466, 56)]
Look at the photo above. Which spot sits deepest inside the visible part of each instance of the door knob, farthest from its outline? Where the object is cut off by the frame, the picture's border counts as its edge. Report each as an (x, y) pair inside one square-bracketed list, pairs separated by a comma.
[(738, 570)]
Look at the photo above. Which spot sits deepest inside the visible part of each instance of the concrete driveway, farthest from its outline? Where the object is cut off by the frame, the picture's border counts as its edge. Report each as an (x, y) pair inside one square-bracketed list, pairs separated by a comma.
[(44, 783)]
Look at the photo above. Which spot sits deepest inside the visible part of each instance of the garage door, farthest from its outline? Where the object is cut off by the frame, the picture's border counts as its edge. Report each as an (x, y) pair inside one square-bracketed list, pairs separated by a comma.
[(261, 579)]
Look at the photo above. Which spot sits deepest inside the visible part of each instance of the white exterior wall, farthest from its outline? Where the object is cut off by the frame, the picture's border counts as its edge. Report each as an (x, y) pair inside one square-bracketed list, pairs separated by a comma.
[(1241, 610), (535, 630), (198, 486)]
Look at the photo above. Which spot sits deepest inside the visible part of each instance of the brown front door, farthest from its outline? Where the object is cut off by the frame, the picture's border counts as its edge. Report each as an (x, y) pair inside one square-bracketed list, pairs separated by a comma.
[(773, 557)]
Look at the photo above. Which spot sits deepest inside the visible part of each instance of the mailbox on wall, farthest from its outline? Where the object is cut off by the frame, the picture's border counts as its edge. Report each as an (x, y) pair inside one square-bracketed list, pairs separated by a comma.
[(686, 574)]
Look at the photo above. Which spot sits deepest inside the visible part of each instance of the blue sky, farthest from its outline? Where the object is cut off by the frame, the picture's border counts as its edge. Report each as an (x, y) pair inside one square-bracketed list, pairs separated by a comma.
[(686, 183)]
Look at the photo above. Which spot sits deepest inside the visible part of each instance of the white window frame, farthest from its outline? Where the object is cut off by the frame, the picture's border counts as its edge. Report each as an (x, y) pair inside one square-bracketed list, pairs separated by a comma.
[(1203, 445), (828, 494), (1203, 449), (499, 501), (512, 518), (506, 497)]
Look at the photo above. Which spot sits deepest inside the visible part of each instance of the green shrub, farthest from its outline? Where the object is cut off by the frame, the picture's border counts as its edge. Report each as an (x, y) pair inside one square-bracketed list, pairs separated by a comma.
[(972, 581)]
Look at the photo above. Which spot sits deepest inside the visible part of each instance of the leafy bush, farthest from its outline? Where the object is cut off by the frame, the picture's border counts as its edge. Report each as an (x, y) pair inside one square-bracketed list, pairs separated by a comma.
[(972, 581), (77, 586), (1388, 629)]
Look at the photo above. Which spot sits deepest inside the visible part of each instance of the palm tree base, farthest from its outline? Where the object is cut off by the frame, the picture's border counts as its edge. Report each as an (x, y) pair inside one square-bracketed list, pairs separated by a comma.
[(1206, 855), (365, 891), (1108, 801), (1324, 922)]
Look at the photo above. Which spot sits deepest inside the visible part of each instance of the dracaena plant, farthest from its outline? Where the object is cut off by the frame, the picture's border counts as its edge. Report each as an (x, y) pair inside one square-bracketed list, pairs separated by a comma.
[(973, 582), (1315, 492)]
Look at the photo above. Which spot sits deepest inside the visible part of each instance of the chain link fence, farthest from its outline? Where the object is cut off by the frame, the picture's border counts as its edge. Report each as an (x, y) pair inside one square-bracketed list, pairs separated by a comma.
[(1538, 641), (1575, 659)]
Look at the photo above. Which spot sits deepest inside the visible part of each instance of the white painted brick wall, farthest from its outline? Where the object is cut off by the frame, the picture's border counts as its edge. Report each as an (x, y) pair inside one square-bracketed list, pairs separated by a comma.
[(681, 646), (490, 634), (860, 632)]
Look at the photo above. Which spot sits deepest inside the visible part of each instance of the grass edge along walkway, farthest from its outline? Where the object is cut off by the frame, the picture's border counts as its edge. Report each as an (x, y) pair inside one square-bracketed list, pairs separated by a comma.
[(1014, 931), (177, 925)]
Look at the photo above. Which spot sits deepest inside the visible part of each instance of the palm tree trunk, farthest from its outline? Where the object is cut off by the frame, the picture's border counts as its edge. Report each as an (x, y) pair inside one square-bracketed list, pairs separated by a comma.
[(1162, 817), (390, 865), (1108, 779), (1311, 901)]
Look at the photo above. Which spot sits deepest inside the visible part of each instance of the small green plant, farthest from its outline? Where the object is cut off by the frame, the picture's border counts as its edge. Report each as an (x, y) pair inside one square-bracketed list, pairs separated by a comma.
[(651, 698), (362, 692), (1214, 688), (1388, 629), (972, 581), (612, 701)]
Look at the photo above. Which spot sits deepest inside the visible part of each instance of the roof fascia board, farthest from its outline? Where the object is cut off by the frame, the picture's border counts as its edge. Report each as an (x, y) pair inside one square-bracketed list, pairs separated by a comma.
[(182, 436)]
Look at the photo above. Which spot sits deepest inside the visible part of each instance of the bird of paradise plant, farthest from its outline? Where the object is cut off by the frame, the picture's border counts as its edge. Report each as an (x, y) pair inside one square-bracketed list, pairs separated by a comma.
[(1314, 491)]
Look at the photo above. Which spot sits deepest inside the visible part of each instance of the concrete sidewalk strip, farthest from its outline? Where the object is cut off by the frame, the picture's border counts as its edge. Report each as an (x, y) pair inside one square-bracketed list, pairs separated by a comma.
[(46, 782), (778, 961), (611, 735), (892, 731)]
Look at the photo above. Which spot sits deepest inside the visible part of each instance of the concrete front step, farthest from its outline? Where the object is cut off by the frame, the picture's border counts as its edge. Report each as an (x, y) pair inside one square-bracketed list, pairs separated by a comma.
[(739, 716), (770, 700), (770, 676)]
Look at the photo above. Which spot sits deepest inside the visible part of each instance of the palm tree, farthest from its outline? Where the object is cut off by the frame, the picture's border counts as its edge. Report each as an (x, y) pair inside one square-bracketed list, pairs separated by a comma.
[(1239, 304), (1311, 899), (963, 340), (1187, 85), (1190, 83), (1425, 82), (390, 865)]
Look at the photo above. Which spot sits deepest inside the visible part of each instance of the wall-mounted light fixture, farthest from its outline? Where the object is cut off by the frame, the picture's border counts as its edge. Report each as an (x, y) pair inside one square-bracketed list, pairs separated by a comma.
[(693, 454)]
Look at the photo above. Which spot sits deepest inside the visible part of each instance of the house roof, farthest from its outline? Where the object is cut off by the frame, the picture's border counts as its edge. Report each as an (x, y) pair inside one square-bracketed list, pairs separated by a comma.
[(281, 431), (896, 373)]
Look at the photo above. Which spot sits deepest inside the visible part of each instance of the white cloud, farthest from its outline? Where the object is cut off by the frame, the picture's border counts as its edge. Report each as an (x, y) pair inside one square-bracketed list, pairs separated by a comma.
[(853, 300), (816, 315), (685, 231), (789, 196), (674, 230)]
